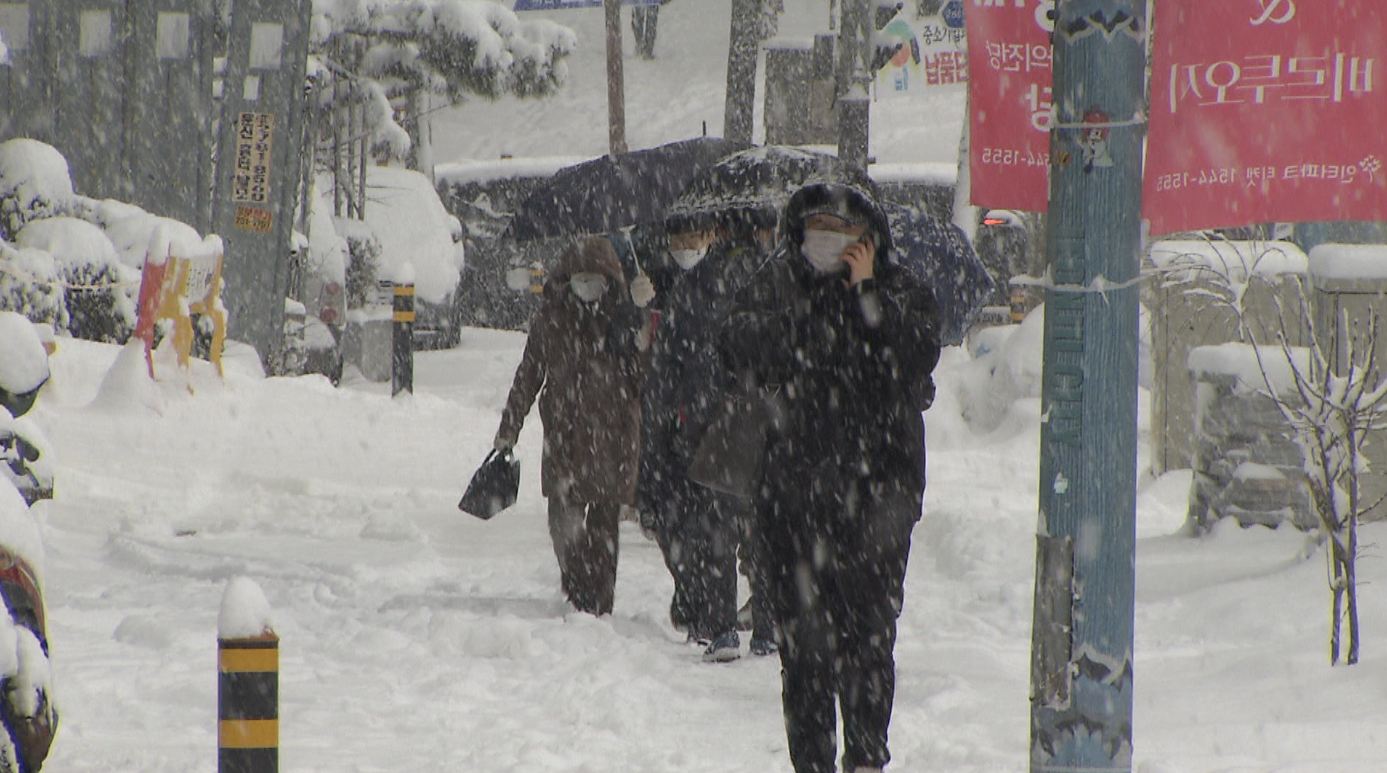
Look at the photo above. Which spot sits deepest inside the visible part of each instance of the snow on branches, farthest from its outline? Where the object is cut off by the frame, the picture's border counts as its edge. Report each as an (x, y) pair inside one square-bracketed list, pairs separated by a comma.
[(454, 47)]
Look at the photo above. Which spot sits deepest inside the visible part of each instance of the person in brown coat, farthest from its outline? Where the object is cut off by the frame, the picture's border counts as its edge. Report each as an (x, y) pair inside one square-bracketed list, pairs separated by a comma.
[(583, 360)]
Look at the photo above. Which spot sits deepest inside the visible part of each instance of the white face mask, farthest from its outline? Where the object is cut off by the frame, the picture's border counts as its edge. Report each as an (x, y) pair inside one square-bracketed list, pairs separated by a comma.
[(687, 259), (824, 249), (588, 287)]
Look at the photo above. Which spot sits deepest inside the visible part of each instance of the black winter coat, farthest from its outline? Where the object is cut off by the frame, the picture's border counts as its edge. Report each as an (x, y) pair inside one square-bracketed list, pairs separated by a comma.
[(686, 380), (850, 369)]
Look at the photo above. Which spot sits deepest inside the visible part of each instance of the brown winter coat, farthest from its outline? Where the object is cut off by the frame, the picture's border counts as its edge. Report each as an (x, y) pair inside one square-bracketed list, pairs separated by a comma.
[(582, 362)]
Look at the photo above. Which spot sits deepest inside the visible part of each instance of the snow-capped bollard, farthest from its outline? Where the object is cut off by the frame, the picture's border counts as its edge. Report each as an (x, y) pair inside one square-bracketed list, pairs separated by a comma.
[(247, 682), (402, 351)]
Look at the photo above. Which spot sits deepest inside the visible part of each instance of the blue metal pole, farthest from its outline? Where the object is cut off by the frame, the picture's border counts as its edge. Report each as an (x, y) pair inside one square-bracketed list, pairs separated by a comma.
[(1081, 676)]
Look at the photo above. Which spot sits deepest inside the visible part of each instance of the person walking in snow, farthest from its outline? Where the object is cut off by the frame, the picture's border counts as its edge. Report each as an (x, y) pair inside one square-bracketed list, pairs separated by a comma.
[(846, 342), (698, 529), (583, 359)]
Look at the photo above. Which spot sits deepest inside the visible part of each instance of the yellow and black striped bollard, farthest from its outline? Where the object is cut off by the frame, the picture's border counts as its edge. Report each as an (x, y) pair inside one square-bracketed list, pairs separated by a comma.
[(248, 704), (402, 340)]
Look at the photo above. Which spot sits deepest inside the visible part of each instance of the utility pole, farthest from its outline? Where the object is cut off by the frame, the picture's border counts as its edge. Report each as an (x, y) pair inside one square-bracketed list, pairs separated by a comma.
[(1081, 668), (854, 109), (616, 98), (741, 72)]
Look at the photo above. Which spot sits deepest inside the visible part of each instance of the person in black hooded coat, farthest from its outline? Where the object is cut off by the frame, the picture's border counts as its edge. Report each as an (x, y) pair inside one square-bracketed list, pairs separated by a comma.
[(699, 530), (845, 342)]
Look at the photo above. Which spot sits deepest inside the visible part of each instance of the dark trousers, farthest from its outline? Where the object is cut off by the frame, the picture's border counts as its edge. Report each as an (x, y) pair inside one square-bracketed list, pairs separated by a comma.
[(698, 535), (751, 565), (644, 23), (835, 564), (585, 543)]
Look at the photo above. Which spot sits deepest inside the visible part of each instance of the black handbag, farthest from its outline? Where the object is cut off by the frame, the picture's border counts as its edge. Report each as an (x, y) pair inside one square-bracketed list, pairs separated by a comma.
[(493, 487), (728, 458)]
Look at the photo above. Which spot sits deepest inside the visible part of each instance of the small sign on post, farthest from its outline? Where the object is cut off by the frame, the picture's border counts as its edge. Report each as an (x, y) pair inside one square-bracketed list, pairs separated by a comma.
[(402, 349)]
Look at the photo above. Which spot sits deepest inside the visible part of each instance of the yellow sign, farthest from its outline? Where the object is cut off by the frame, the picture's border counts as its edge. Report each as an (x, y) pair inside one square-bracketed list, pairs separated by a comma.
[(259, 221)]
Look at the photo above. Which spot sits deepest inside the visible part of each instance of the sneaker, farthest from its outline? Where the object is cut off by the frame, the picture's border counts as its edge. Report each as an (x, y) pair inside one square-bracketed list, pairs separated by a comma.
[(725, 648), (763, 647)]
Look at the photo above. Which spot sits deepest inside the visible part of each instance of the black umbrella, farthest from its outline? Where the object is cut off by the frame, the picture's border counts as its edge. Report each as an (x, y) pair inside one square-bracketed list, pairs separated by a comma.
[(939, 254), (609, 193), (753, 184)]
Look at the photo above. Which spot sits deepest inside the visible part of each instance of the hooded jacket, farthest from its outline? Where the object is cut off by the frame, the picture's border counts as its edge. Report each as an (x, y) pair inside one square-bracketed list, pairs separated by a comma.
[(850, 367), (686, 381), (582, 361)]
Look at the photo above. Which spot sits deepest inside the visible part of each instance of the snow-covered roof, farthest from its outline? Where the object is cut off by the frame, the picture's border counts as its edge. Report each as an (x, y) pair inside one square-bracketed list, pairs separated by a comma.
[(1241, 361), (480, 171), (1348, 261), (938, 172), (1233, 259)]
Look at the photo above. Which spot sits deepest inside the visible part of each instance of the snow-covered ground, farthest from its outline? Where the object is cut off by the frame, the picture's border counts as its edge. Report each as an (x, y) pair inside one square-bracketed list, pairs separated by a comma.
[(415, 637)]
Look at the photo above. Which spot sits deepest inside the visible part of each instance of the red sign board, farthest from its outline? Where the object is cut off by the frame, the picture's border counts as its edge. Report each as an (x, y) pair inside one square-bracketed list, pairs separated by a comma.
[(1266, 111), (1010, 77)]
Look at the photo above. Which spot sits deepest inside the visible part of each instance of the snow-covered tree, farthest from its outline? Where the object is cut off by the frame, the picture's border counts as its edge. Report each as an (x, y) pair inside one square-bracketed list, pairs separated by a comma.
[(1338, 401), (377, 66)]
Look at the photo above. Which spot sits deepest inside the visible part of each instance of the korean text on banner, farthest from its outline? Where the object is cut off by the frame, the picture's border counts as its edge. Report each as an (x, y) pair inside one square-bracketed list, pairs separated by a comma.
[(1010, 77), (1266, 110), (932, 54)]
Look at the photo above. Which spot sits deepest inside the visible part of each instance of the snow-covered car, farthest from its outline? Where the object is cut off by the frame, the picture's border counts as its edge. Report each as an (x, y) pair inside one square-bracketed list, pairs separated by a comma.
[(420, 238)]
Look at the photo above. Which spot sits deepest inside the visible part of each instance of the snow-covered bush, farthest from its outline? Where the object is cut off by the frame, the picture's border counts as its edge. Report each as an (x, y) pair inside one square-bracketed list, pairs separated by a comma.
[(100, 290), (29, 285), (34, 183), (67, 260)]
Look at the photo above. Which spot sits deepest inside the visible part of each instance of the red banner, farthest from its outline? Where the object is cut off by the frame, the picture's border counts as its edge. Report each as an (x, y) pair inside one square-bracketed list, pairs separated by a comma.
[(1009, 80), (1266, 111)]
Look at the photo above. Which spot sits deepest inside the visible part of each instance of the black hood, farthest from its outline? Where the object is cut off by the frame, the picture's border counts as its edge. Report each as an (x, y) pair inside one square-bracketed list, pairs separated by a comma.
[(857, 198)]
